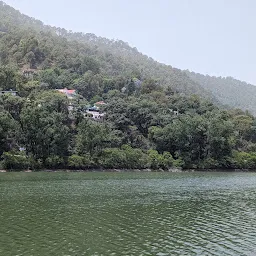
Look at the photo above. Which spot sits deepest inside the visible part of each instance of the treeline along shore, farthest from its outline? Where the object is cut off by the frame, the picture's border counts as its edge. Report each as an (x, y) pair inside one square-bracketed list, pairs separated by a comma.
[(80, 102)]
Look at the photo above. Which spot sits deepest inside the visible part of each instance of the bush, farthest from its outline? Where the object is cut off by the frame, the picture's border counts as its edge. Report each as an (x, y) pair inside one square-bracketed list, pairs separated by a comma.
[(113, 158), (244, 160), (168, 160), (35, 164), (135, 158), (15, 161), (126, 157), (76, 162), (209, 163), (54, 162), (163, 161), (179, 162), (80, 162), (155, 159)]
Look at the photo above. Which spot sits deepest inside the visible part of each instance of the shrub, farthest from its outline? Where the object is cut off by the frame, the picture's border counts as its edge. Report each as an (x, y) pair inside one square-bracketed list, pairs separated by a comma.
[(76, 162), (244, 160), (15, 161), (54, 162), (80, 162), (168, 160), (209, 163), (163, 161), (126, 157), (135, 158), (155, 159), (113, 158)]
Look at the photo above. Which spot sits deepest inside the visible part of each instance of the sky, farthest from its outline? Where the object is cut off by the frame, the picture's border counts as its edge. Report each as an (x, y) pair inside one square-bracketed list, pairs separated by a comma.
[(215, 37)]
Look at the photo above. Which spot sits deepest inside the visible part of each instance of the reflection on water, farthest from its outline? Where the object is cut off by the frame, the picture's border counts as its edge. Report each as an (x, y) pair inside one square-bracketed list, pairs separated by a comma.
[(127, 214)]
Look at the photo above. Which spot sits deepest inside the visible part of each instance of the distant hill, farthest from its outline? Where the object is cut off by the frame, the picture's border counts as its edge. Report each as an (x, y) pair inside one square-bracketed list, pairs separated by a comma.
[(31, 44), (154, 116), (229, 91)]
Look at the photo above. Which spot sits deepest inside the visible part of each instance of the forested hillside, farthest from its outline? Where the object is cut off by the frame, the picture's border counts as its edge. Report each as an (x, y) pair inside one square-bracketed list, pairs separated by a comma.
[(228, 91), (28, 43), (151, 115)]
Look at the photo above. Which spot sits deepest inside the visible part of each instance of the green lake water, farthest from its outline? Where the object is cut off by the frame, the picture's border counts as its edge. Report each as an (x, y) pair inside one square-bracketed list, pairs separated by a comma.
[(127, 214)]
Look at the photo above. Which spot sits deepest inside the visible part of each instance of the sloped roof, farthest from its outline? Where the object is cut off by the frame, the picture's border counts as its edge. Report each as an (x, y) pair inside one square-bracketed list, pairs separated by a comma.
[(66, 91), (100, 103)]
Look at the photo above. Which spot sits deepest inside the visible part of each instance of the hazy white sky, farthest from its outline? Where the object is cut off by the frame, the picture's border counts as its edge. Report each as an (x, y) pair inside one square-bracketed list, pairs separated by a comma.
[(215, 37)]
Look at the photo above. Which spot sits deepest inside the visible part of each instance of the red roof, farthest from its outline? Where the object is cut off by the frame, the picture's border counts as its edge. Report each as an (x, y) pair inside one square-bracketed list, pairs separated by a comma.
[(100, 103), (67, 91), (70, 91)]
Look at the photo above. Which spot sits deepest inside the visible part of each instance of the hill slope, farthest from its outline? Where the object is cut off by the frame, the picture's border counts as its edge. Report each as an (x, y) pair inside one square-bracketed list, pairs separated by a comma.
[(29, 43), (150, 119), (228, 91)]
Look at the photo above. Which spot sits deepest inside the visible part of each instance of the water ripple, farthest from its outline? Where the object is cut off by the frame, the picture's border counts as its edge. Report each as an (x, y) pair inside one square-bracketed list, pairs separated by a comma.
[(127, 214)]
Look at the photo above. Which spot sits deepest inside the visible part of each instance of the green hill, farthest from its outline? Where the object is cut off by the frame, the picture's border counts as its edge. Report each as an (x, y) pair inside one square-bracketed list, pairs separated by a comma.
[(29, 43), (151, 115), (229, 91)]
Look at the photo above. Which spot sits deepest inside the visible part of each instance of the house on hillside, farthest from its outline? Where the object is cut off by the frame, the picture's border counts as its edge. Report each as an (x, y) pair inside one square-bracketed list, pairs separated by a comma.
[(69, 93), (174, 112), (28, 73), (94, 113), (11, 92), (100, 103)]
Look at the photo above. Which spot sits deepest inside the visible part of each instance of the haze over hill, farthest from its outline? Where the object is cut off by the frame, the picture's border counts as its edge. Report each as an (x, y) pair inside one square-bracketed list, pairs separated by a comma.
[(113, 57), (50, 47), (184, 34), (151, 115), (229, 91)]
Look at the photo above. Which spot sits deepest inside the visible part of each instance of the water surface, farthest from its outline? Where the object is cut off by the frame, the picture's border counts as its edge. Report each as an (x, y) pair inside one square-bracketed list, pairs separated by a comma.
[(127, 214)]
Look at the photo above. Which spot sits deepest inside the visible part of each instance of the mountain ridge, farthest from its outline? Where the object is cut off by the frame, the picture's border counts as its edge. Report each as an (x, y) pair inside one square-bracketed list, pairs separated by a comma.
[(228, 90), (116, 57), (151, 115)]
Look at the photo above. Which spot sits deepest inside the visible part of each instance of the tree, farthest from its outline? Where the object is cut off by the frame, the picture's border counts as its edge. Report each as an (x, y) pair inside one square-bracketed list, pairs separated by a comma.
[(9, 79), (9, 132), (45, 127), (93, 137), (89, 85), (13, 105), (149, 86)]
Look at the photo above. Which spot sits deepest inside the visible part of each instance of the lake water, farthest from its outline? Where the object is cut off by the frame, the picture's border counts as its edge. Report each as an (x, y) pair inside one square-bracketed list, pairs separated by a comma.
[(127, 214)]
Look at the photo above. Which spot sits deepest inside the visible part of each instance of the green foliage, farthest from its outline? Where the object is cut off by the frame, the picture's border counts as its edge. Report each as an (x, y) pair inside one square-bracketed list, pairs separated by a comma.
[(135, 158), (80, 162), (155, 116), (228, 91), (149, 86), (9, 132), (15, 161), (8, 78), (13, 105), (44, 124), (113, 158), (162, 161), (195, 138), (92, 137), (54, 162), (126, 157), (244, 160), (76, 162), (209, 163)]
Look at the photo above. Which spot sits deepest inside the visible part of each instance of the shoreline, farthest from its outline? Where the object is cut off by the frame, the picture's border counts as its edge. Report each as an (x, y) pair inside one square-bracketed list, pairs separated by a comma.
[(172, 170)]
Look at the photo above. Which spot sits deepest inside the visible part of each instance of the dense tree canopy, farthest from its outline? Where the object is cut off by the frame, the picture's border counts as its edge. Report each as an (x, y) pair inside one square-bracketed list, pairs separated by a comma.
[(152, 115)]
